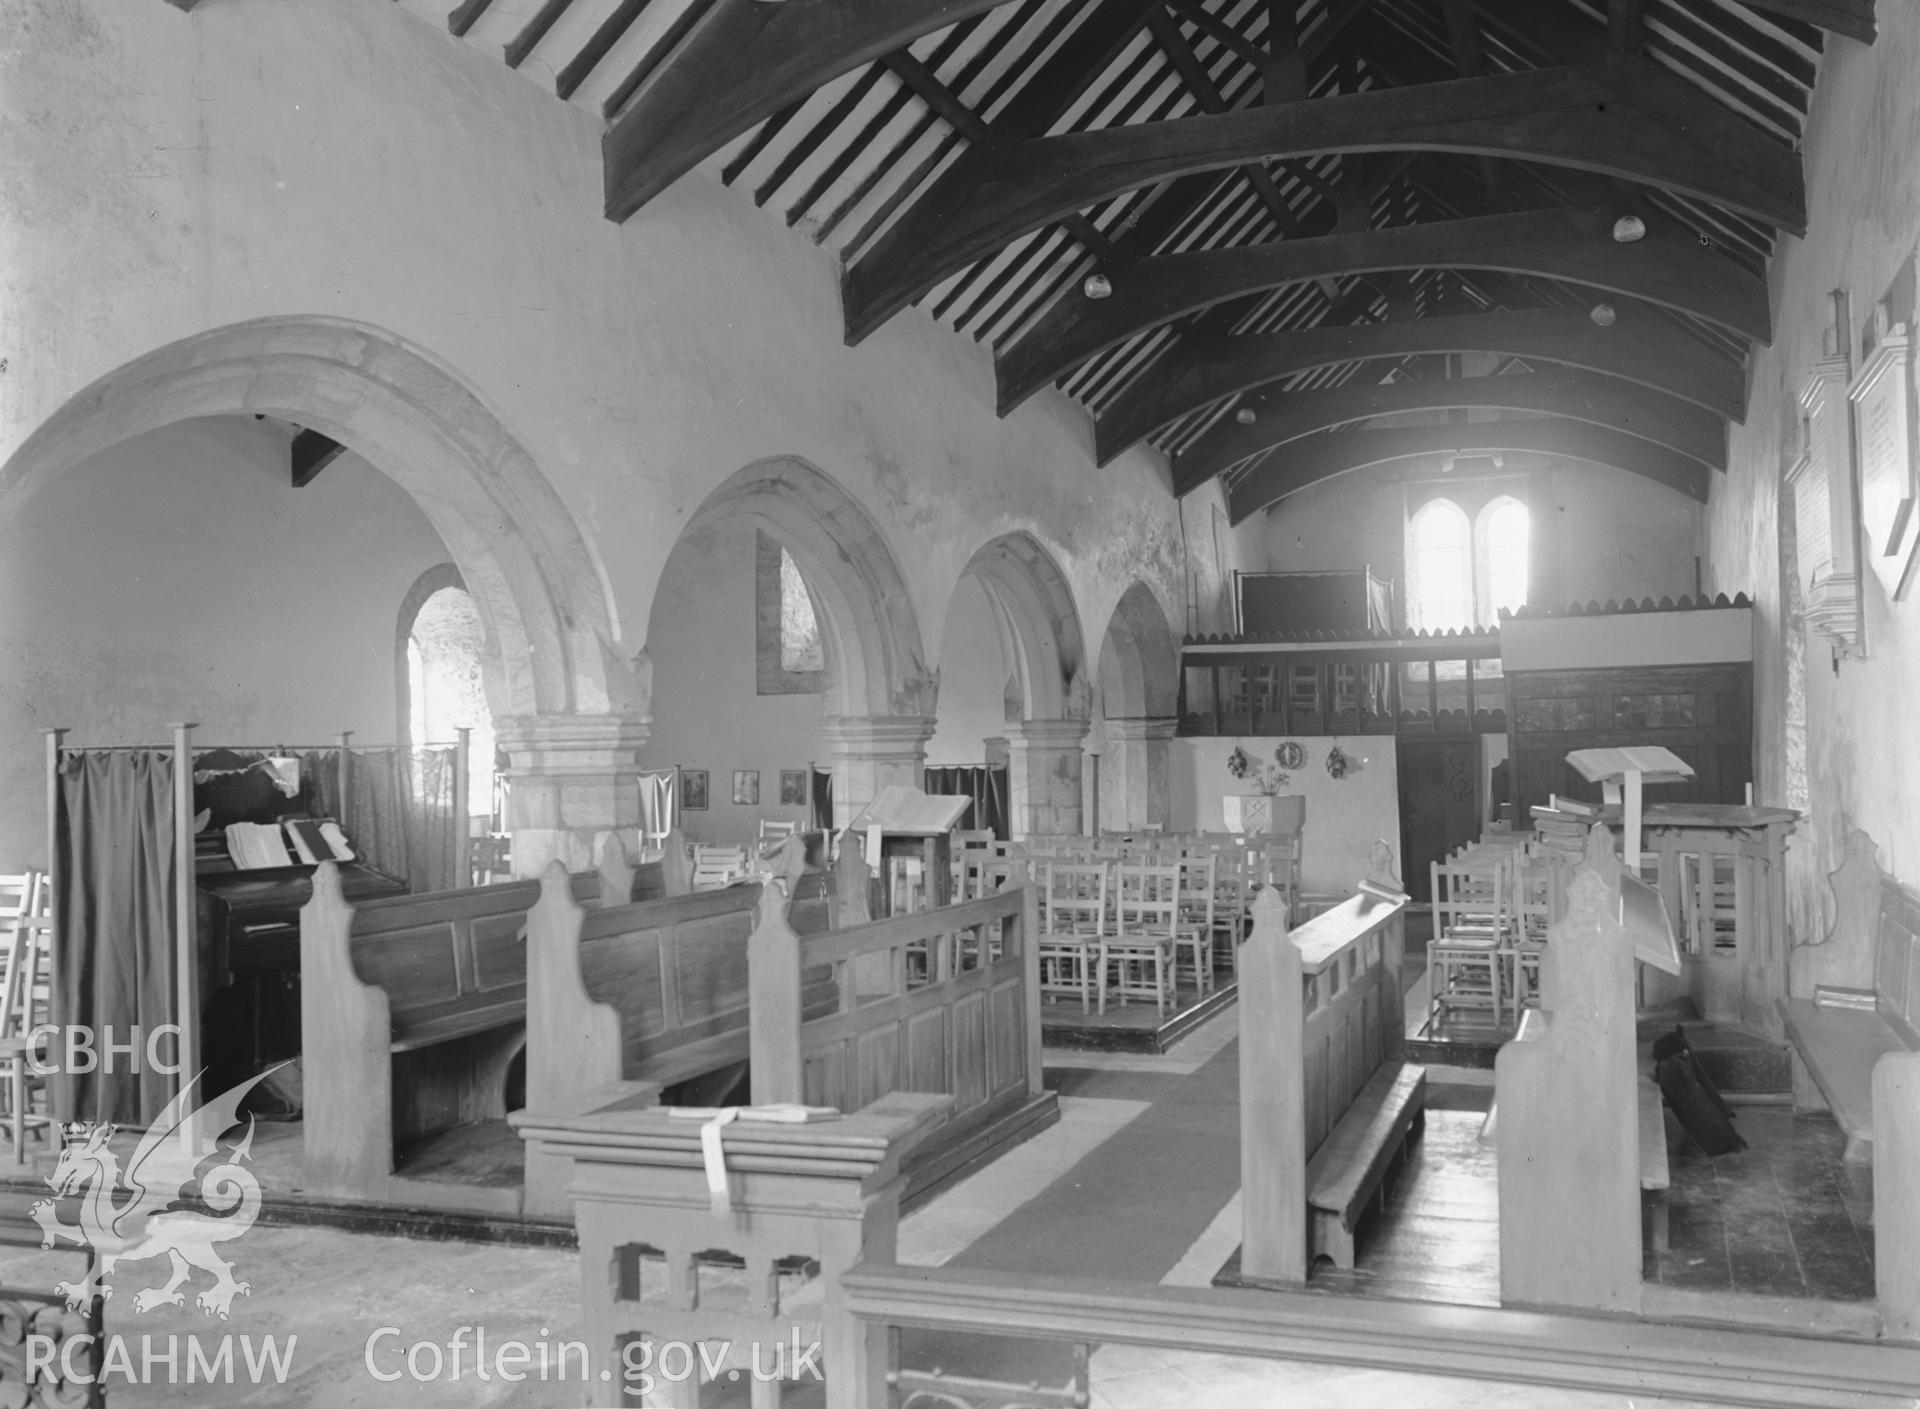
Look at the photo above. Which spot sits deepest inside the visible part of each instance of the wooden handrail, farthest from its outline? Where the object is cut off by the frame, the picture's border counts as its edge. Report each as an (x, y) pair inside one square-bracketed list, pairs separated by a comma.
[(1766, 1370), (1322, 939), (839, 946), (1332, 985)]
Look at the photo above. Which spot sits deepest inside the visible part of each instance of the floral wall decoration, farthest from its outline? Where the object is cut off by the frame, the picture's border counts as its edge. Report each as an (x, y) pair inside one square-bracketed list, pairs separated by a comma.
[(1267, 778)]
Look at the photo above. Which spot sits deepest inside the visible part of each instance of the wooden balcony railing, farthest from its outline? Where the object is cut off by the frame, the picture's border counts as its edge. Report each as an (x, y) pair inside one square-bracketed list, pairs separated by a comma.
[(1316, 684)]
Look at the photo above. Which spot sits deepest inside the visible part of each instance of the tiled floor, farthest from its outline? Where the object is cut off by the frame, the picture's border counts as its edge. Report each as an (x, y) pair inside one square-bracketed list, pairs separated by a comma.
[(1784, 1217)]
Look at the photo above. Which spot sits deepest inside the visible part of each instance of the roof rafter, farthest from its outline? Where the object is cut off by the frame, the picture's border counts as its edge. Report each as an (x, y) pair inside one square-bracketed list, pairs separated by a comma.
[(1200, 83), (461, 18), (1280, 417), (1559, 115), (1853, 18), (1575, 244), (743, 61), (969, 124), (1321, 457), (1638, 347)]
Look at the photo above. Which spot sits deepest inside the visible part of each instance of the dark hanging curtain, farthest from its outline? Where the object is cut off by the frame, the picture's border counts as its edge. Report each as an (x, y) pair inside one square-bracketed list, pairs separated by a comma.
[(113, 904), (986, 786), (823, 800), (402, 820)]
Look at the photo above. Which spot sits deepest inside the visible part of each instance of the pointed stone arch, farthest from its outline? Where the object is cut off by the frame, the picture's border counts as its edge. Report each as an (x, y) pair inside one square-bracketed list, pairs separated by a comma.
[(1139, 659), (1139, 697), (1044, 652), (570, 703), (519, 551), (880, 695), (1039, 625), (873, 638)]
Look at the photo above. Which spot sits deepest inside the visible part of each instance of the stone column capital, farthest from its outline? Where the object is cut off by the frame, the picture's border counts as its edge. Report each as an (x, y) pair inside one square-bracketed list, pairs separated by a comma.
[(1047, 733), (572, 743), (879, 735), (1144, 731), (572, 782), (871, 752)]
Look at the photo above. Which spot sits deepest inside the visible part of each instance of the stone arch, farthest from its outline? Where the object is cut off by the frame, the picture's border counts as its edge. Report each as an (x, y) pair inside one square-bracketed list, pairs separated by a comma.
[(1139, 660), (1038, 624), (549, 625), (1050, 699), (873, 639), (433, 580), (1139, 694)]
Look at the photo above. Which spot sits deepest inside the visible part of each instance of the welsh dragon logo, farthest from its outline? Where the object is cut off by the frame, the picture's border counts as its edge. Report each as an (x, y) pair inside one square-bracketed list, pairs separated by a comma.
[(147, 1224)]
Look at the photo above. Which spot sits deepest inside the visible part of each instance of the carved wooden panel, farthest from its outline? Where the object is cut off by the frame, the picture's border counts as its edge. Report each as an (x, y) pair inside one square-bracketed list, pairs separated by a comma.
[(1703, 713)]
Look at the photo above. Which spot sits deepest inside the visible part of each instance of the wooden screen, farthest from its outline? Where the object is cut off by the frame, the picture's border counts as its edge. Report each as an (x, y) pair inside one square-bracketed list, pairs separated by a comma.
[(1703, 713)]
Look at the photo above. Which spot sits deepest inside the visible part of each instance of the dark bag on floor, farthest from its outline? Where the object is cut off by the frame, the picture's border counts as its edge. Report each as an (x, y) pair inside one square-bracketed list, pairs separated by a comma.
[(1696, 1104)]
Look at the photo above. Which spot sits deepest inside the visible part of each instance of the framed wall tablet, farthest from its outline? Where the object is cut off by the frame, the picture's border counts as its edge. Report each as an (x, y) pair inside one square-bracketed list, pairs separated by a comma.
[(746, 787), (1826, 515), (693, 789), (1883, 422)]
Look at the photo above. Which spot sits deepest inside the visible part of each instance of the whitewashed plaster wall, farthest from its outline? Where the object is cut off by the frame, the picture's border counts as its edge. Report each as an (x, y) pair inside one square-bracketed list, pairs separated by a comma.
[(1345, 816), (180, 576), (973, 679), (175, 172), (1611, 535), (707, 712), (1863, 205)]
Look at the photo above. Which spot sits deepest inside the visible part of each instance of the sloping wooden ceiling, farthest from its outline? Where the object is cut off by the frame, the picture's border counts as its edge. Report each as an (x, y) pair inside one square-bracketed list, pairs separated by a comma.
[(1276, 239)]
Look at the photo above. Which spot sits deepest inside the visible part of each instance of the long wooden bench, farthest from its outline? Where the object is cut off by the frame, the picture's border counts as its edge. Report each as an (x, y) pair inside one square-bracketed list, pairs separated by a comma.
[(1350, 1168), (412, 1009), (1656, 1178), (1327, 1106), (1871, 953), (1656, 1175), (1582, 1138), (653, 994), (836, 1017)]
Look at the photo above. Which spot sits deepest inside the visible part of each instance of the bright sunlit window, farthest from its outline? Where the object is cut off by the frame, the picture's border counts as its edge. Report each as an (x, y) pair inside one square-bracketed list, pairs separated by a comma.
[(1504, 535), (444, 690), (800, 647), (1463, 573), (1442, 568)]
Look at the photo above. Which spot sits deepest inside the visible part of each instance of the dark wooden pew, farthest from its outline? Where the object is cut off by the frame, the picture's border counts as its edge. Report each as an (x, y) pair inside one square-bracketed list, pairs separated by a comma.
[(1870, 956), (412, 1009), (1326, 1104), (945, 1000), (1863, 1063), (645, 995), (835, 1016), (1582, 1140)]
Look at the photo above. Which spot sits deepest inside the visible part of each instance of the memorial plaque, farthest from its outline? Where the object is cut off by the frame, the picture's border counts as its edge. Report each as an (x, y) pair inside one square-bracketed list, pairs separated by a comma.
[(1826, 508), (1882, 398), (1812, 527)]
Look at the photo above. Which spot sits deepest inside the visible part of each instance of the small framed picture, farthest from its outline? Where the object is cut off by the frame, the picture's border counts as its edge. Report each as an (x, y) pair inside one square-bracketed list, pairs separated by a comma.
[(693, 789), (746, 787), (793, 787)]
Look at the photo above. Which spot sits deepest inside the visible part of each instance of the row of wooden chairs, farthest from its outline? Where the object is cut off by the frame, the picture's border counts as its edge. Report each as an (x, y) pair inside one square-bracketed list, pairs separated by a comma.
[(26, 948), (1126, 929), (1491, 903)]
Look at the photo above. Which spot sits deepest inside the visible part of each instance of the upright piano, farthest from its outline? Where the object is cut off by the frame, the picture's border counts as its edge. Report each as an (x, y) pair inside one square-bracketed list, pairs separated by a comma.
[(247, 936)]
